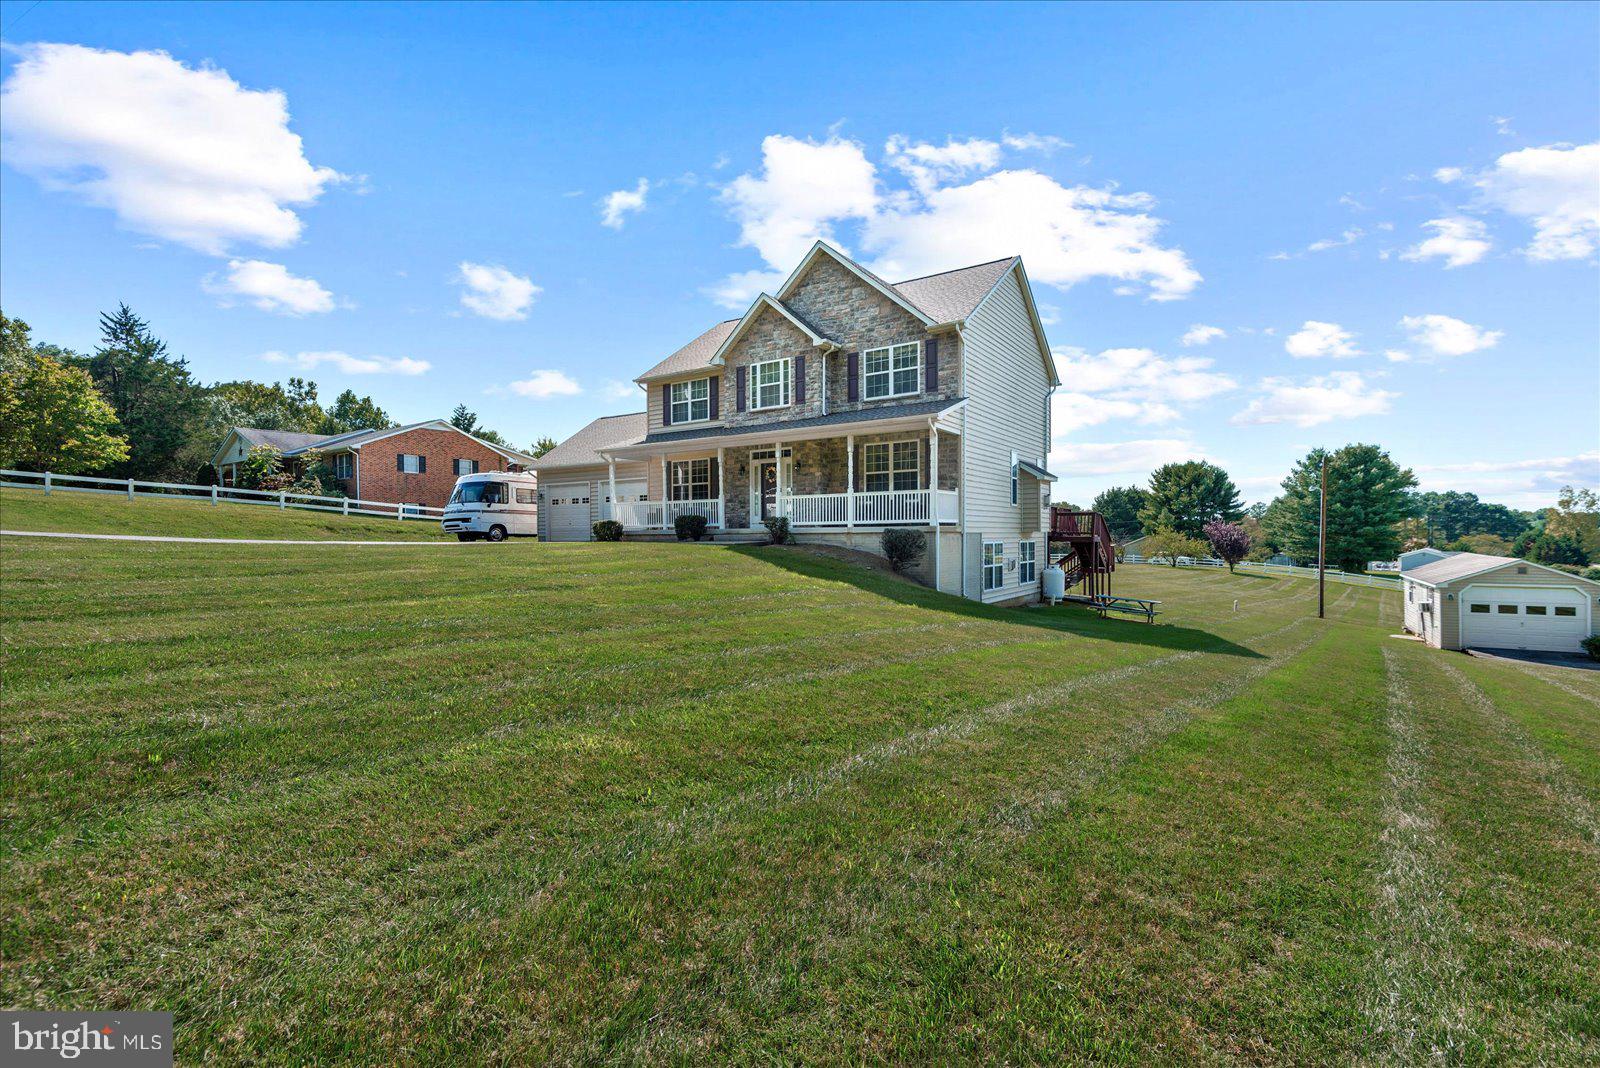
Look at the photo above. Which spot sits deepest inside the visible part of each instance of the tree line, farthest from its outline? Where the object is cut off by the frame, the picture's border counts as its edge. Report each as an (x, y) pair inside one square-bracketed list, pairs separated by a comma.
[(1375, 512), (130, 409)]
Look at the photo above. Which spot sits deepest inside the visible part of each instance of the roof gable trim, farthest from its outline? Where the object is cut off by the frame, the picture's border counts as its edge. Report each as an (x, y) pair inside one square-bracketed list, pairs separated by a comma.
[(764, 301)]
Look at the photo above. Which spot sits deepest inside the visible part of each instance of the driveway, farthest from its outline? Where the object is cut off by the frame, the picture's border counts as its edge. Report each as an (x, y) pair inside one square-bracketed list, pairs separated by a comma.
[(1527, 656)]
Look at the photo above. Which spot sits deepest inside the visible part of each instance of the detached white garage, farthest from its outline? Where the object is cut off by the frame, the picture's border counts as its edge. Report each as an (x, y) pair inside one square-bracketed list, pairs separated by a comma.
[(1473, 601)]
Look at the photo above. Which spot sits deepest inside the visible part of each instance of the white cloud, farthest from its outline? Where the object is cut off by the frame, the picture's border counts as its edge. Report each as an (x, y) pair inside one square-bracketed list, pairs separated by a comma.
[(1555, 188), (1141, 375), (1032, 142), (1457, 240), (1082, 459), (1444, 336), (1502, 126), (617, 205), (270, 287), (1531, 483), (185, 154), (1349, 237), (1449, 174), (351, 365), (1397, 355), (542, 384), (494, 292), (806, 190), (1071, 411), (1316, 339), (1308, 403), (1201, 334), (929, 166), (616, 389)]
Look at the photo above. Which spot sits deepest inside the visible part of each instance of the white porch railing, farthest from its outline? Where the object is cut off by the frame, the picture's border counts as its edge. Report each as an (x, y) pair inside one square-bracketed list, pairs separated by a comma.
[(876, 508), (662, 515)]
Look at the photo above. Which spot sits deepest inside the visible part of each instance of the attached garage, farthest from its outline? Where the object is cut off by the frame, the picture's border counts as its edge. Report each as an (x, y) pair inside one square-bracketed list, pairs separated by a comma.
[(575, 477), (1473, 601), (567, 511)]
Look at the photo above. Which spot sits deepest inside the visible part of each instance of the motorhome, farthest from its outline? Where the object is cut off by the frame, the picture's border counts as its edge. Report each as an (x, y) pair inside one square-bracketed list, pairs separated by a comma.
[(493, 506)]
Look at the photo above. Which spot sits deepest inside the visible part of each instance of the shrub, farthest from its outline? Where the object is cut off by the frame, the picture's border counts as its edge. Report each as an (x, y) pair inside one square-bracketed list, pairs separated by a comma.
[(778, 530), (904, 548), (608, 530), (690, 527), (206, 476), (1229, 541), (1591, 645)]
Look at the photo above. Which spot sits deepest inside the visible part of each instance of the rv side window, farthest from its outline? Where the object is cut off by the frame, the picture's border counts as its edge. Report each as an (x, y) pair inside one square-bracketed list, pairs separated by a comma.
[(524, 496)]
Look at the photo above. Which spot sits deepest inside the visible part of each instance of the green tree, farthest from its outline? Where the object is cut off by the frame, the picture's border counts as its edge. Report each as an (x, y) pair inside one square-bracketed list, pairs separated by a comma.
[(1487, 544), (542, 446), (52, 418), (1120, 505), (1576, 516), (464, 420), (350, 412), (270, 407), (262, 468), (1451, 515), (1186, 496), (152, 394), (1367, 499), (1164, 541)]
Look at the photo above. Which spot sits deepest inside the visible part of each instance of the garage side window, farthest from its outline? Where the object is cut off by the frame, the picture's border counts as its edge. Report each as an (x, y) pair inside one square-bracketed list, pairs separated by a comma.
[(1480, 609), (1506, 609), (1566, 610), (1535, 609)]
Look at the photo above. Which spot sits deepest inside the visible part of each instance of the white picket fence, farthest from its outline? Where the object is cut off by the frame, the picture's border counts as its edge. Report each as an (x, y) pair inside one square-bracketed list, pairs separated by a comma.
[(1334, 574), (131, 488)]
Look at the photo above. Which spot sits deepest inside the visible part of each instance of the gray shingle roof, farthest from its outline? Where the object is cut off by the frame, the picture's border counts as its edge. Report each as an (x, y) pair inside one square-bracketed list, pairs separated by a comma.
[(280, 439), (944, 298), (581, 448), (893, 411), (953, 295), (1460, 565)]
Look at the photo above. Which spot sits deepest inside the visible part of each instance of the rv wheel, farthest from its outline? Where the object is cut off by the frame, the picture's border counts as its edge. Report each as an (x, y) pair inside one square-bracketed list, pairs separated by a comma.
[(496, 533)]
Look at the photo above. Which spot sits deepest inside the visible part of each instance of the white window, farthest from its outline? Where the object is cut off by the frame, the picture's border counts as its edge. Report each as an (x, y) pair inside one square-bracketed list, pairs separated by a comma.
[(466, 467), (1025, 562), (343, 465), (892, 371), (892, 465), (411, 465), (691, 480), (691, 401), (1013, 483), (770, 384), (994, 565)]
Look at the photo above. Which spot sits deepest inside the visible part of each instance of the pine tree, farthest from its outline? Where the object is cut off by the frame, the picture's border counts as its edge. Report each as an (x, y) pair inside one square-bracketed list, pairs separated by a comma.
[(1367, 499), (152, 394), (1186, 496)]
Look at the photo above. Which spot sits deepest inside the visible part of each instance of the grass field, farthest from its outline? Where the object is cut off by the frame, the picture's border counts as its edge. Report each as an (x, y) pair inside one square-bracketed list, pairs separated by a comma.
[(693, 803), (185, 517)]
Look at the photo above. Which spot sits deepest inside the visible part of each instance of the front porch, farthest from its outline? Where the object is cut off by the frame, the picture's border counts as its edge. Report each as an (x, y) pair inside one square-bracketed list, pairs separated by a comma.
[(837, 483)]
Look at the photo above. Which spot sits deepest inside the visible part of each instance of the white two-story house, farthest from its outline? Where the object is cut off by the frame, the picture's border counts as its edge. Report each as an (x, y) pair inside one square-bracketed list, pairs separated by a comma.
[(845, 404)]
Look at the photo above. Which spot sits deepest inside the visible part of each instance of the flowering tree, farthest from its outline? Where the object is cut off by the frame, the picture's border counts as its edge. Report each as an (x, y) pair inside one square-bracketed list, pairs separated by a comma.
[(1228, 541)]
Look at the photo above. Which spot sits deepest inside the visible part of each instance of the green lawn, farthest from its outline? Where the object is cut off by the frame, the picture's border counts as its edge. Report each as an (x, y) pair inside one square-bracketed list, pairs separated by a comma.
[(704, 804), (186, 517)]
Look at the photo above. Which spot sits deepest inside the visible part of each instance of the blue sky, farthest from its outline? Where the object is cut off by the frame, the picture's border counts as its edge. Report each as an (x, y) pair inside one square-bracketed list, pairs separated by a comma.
[(1386, 215)]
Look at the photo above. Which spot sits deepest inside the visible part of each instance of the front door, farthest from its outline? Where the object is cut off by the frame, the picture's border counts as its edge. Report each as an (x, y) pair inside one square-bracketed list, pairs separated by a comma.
[(769, 490)]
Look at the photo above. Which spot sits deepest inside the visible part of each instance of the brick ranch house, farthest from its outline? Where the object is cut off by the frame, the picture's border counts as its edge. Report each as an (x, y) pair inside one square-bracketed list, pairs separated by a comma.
[(415, 464), (847, 405)]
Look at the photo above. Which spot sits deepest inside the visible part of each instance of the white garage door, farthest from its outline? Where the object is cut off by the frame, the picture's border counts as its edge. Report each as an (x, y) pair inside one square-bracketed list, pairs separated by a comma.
[(567, 513), (1552, 619)]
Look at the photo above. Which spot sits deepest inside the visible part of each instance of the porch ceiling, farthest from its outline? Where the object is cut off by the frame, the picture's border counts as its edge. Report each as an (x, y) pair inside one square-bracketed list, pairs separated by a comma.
[(836, 424)]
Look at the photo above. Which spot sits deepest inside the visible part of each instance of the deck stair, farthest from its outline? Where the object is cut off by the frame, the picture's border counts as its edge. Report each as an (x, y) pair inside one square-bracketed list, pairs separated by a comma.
[(1080, 544)]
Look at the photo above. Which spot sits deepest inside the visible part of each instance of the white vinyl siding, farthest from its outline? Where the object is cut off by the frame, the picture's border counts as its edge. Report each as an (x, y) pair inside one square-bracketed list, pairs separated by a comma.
[(1007, 413), (1451, 602), (891, 371)]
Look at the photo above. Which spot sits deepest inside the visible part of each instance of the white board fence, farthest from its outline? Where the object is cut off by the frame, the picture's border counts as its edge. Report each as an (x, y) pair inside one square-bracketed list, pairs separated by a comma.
[(1251, 567), (131, 488)]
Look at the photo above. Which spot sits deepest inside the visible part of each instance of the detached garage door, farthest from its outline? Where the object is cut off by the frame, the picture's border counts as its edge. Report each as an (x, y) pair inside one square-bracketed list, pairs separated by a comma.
[(567, 513), (1550, 618)]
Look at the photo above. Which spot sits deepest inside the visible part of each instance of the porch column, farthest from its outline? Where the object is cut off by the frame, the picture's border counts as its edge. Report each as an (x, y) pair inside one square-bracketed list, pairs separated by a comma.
[(666, 491), (850, 480), (777, 468), (611, 477), (722, 492), (933, 496)]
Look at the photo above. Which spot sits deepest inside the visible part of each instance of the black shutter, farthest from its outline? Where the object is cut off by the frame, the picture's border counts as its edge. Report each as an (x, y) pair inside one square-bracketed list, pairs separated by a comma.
[(852, 375), (666, 404), (716, 382), (930, 365), (800, 379), (422, 464), (716, 469), (742, 393), (399, 461)]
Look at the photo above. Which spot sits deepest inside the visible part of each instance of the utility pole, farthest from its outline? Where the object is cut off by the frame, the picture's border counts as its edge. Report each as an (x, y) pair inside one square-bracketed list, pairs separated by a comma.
[(1322, 539)]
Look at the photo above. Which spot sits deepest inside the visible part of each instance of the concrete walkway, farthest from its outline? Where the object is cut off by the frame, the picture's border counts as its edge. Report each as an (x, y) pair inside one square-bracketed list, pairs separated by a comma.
[(217, 541), (1579, 661)]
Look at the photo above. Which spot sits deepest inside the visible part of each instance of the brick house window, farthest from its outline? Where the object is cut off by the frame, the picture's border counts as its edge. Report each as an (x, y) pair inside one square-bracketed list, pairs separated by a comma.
[(343, 465), (466, 467), (410, 464)]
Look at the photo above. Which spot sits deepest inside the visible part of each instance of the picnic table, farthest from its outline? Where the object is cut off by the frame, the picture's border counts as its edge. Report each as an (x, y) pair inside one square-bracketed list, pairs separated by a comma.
[(1133, 606)]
